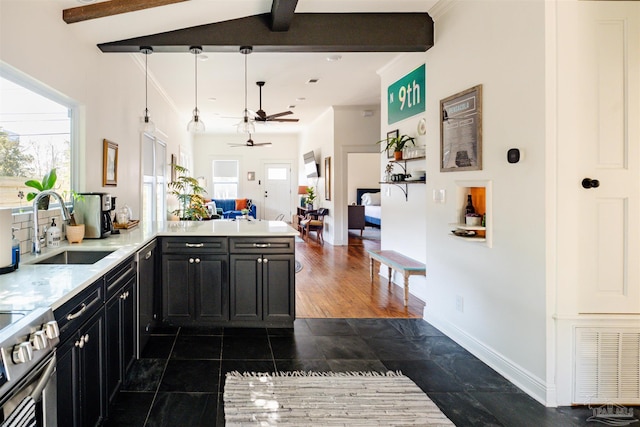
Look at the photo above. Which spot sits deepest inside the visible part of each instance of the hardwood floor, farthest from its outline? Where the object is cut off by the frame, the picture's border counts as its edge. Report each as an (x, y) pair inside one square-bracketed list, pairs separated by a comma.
[(335, 283)]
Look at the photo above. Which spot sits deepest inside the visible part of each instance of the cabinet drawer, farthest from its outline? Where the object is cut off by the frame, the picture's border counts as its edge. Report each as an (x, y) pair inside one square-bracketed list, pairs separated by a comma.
[(262, 245), (72, 314), (118, 276), (185, 245)]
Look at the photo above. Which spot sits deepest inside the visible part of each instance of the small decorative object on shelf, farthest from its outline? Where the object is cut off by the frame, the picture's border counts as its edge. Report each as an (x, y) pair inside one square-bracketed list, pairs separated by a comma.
[(469, 209), (387, 172), (473, 219)]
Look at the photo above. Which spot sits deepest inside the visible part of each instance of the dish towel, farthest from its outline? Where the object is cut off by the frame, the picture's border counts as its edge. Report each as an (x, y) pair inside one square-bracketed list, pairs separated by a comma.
[(24, 415)]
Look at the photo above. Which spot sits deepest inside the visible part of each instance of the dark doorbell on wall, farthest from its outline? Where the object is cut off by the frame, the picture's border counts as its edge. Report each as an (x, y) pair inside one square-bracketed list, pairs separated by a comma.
[(513, 155)]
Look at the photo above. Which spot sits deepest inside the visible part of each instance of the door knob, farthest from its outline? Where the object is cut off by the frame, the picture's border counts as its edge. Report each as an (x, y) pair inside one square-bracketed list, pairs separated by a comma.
[(590, 183)]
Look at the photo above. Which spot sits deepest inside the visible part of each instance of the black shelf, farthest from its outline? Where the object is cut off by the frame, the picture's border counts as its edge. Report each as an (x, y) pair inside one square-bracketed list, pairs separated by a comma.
[(404, 189)]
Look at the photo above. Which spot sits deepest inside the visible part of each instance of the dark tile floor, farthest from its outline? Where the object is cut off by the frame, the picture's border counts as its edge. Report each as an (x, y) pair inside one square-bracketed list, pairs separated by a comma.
[(180, 379)]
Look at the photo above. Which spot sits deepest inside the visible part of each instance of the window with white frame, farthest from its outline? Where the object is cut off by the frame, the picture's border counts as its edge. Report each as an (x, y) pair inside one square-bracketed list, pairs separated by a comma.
[(35, 137), (225, 179)]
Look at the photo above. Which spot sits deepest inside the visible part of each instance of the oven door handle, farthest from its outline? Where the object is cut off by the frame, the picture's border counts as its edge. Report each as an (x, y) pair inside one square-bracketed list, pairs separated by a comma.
[(36, 394)]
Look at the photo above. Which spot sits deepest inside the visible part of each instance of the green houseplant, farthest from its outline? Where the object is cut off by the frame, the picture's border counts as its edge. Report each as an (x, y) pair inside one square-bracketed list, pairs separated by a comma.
[(47, 183), (397, 143), (189, 194), (311, 197)]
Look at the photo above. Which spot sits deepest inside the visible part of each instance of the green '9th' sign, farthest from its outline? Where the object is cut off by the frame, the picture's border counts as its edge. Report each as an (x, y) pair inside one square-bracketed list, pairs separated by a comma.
[(406, 97)]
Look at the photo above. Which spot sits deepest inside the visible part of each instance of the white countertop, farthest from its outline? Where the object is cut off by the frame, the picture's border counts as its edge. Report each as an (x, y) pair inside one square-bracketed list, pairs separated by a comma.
[(38, 285)]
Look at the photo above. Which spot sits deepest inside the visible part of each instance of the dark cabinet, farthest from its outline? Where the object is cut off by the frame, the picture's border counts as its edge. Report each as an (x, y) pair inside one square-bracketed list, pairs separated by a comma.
[(120, 335), (80, 375), (195, 281), (262, 280), (148, 301)]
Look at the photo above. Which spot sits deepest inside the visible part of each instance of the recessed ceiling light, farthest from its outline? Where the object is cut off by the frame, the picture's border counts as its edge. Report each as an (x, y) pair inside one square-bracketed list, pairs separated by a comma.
[(312, 81), (203, 57), (301, 99), (291, 106), (334, 58), (212, 99)]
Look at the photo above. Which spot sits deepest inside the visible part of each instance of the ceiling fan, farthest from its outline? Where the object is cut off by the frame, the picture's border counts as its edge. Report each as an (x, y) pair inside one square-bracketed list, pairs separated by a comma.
[(250, 143), (261, 116)]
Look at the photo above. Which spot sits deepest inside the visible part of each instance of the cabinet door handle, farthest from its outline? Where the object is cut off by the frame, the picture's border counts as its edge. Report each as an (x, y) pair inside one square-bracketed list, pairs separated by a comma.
[(262, 245), (79, 343), (259, 260), (194, 245), (197, 260), (148, 255), (86, 338), (190, 260), (74, 315), (265, 260)]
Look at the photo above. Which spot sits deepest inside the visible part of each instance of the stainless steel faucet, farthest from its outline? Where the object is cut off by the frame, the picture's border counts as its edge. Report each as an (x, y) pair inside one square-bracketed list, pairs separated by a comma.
[(36, 248)]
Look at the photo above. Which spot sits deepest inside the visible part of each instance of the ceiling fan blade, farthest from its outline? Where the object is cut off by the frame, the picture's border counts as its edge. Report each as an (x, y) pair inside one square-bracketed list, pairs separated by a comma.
[(262, 144), (285, 120), (274, 116)]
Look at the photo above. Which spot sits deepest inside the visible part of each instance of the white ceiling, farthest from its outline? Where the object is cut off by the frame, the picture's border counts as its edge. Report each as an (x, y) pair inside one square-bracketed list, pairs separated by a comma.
[(351, 81)]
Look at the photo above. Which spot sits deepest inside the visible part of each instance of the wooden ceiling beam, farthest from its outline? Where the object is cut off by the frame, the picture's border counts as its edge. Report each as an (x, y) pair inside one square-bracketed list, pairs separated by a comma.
[(282, 12), (108, 8), (309, 32)]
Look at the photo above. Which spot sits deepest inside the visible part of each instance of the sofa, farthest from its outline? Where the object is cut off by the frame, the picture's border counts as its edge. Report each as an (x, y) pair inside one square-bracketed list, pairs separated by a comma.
[(226, 208)]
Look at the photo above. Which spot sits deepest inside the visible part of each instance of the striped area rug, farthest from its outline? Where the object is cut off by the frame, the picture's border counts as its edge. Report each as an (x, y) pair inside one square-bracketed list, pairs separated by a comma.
[(327, 399)]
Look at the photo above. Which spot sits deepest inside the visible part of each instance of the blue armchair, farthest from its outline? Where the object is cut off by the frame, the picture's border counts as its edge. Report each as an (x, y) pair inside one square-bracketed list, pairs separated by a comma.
[(227, 208)]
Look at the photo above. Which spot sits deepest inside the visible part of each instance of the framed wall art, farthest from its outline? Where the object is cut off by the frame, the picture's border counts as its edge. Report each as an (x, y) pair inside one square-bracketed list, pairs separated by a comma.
[(461, 131), (327, 178), (109, 163)]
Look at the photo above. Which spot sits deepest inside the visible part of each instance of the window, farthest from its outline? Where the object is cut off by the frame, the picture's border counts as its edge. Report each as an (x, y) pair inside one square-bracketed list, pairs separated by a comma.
[(154, 188), (225, 179), (35, 137)]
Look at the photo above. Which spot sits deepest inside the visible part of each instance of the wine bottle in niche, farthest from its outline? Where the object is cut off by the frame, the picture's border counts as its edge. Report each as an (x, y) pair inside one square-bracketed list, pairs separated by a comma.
[(469, 209)]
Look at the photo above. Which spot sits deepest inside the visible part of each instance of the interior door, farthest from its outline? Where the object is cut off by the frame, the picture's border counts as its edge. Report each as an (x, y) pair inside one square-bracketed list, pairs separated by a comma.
[(277, 191), (599, 101)]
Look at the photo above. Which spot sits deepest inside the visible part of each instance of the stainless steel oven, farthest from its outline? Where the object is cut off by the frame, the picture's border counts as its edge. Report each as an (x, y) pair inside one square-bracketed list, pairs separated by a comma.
[(28, 368)]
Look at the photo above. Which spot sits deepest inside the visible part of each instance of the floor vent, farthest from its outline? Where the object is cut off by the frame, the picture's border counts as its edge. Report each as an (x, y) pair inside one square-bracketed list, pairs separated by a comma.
[(607, 366)]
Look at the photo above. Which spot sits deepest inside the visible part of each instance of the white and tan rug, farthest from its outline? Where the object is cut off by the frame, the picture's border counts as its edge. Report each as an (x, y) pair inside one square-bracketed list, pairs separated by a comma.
[(327, 399)]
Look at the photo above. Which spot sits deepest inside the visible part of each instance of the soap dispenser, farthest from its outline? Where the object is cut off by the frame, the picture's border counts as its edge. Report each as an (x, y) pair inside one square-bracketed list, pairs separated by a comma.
[(53, 235)]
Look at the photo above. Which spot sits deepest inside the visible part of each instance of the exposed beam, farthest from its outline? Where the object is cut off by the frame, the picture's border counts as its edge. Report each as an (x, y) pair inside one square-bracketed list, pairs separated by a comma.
[(309, 32), (108, 8), (282, 12)]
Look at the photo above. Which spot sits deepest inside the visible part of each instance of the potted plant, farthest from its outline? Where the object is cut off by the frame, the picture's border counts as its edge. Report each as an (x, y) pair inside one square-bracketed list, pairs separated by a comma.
[(397, 143), (47, 183), (189, 194), (311, 197)]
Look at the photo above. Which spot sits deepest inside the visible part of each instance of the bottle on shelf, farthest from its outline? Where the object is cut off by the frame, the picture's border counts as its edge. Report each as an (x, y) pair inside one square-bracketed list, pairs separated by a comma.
[(469, 209)]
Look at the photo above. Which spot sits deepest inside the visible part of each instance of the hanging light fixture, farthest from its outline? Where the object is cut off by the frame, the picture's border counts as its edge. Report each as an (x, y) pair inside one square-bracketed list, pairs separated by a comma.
[(147, 124), (246, 125), (196, 125)]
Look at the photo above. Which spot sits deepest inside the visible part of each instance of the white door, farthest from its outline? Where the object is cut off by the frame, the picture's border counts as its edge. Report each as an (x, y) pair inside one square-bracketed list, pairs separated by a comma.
[(599, 98), (277, 191)]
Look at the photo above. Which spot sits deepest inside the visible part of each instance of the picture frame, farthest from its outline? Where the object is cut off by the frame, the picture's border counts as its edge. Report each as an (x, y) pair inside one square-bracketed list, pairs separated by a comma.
[(327, 178), (251, 176), (109, 163), (391, 134), (461, 131)]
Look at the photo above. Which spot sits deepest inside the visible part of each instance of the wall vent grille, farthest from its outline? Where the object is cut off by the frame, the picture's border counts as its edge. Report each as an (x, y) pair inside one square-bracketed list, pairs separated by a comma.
[(607, 367)]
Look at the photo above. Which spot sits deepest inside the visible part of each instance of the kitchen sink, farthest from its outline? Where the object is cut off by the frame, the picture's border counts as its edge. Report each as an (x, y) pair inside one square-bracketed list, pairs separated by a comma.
[(74, 257)]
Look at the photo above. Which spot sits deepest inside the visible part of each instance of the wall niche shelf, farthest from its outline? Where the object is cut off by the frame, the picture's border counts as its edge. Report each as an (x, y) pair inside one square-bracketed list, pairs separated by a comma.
[(404, 185), (481, 193)]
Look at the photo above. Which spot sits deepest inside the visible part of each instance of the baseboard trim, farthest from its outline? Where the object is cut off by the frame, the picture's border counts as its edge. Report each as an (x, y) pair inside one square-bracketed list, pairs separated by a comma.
[(520, 377)]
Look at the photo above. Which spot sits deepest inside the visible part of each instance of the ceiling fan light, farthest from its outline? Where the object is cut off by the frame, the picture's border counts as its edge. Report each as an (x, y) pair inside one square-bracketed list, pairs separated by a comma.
[(246, 126)]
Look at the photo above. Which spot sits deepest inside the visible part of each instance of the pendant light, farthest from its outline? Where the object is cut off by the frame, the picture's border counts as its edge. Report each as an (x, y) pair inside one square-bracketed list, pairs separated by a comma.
[(196, 125), (147, 124), (246, 125)]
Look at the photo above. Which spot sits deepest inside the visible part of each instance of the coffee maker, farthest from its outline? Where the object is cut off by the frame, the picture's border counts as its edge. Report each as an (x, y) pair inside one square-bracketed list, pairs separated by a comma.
[(94, 211)]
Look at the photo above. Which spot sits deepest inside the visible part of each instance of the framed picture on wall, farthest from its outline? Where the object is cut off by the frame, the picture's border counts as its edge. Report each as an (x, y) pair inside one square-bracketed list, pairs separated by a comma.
[(109, 163), (327, 178)]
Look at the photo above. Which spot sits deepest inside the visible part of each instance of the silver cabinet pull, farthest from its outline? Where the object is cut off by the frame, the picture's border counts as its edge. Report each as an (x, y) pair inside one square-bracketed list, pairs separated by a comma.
[(197, 260), (194, 245), (148, 255), (259, 260), (265, 260), (262, 245), (190, 260), (74, 315)]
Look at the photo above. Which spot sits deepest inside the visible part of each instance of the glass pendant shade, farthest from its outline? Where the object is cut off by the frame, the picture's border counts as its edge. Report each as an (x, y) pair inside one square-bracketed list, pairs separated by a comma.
[(147, 125), (247, 124), (196, 125)]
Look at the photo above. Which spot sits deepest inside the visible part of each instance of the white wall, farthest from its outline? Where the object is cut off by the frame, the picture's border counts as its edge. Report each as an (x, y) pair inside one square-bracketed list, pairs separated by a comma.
[(284, 149), (503, 288), (108, 88), (362, 172)]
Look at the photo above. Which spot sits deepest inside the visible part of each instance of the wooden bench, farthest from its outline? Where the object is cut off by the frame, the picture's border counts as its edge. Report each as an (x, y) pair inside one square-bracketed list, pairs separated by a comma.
[(395, 261)]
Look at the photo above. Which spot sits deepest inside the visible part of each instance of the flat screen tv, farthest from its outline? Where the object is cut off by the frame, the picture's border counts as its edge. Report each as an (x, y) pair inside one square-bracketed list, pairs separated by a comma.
[(310, 165)]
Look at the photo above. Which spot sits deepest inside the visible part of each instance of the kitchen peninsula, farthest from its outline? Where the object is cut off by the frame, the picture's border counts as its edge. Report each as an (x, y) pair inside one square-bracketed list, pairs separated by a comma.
[(233, 272)]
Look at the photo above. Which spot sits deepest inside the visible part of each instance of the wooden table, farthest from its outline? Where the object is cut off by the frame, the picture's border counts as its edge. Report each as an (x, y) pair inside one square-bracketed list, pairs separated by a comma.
[(396, 261)]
